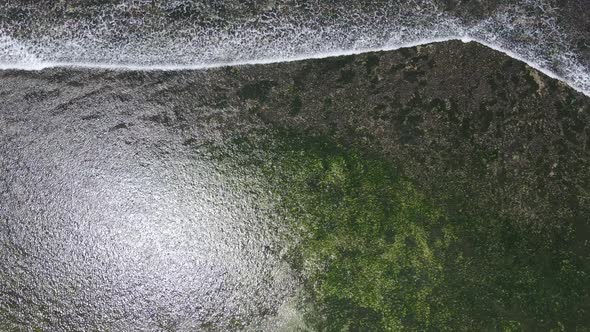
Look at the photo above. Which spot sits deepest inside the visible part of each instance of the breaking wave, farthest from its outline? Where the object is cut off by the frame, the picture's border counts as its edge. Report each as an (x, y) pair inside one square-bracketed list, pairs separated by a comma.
[(188, 34)]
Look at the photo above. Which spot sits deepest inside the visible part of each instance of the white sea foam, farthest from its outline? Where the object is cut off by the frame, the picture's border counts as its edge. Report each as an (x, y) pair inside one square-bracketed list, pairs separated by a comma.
[(112, 39)]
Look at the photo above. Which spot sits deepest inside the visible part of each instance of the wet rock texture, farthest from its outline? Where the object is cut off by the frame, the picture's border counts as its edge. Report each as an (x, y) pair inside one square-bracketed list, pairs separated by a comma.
[(83, 151)]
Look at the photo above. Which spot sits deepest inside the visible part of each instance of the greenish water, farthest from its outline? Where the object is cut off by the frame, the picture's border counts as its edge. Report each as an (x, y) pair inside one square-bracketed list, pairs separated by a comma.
[(376, 253)]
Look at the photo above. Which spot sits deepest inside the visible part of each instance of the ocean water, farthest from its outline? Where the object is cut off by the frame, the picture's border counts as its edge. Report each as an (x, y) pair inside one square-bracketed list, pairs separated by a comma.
[(115, 218), (189, 34), (114, 215)]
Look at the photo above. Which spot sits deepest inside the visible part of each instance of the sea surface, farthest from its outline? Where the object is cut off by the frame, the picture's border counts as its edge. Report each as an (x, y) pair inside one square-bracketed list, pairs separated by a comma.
[(116, 213)]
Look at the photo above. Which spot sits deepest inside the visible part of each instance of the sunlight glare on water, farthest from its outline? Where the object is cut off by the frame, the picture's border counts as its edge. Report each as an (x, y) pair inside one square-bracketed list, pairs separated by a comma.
[(116, 228)]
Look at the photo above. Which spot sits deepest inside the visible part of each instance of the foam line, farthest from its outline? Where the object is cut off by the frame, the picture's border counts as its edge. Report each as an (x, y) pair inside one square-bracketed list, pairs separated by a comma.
[(36, 66), (41, 65), (112, 36)]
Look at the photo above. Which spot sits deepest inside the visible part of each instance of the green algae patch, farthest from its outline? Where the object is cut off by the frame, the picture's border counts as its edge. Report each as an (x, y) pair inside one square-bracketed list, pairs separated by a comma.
[(377, 254)]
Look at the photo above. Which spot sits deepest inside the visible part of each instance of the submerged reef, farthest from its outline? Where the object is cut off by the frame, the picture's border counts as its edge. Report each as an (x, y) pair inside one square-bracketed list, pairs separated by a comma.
[(377, 254), (439, 187)]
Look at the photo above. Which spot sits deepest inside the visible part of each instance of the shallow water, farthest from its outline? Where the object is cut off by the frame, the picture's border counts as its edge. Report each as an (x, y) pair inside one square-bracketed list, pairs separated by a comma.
[(118, 212), (111, 221)]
